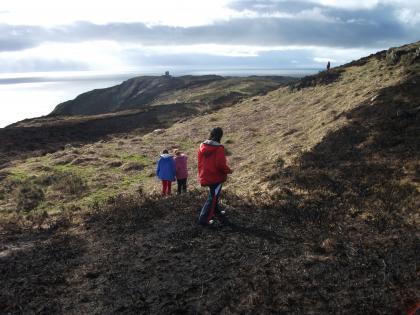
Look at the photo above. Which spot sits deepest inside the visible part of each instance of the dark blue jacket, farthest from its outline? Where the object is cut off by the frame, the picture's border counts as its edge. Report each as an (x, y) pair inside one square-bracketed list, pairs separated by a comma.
[(165, 168)]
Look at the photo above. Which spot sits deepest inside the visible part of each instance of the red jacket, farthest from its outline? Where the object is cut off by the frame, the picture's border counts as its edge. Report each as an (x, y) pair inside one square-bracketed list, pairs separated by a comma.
[(212, 167)]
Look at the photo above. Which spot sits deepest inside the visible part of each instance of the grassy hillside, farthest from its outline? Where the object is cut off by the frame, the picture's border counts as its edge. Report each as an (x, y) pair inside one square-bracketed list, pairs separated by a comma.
[(323, 208), (139, 92), (187, 96)]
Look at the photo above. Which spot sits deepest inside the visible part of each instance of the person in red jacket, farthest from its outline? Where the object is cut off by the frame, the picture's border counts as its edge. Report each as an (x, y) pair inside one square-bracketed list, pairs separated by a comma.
[(212, 172)]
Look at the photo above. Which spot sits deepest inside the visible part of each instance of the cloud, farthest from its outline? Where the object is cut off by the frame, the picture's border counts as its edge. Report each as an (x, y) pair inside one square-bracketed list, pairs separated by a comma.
[(340, 28), (264, 6), (18, 37), (252, 30), (8, 65), (261, 58), (76, 56), (157, 12)]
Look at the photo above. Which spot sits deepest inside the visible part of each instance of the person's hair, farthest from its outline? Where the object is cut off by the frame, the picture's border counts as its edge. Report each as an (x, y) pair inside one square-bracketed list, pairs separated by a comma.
[(177, 152), (165, 151), (216, 134)]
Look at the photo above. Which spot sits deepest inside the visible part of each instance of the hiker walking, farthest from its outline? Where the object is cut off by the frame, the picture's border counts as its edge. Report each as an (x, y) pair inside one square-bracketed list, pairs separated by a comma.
[(212, 172), (328, 66), (181, 170), (165, 171)]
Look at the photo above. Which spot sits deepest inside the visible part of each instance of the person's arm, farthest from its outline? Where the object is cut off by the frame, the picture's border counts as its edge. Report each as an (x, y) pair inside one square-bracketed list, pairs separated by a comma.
[(173, 167), (158, 168), (177, 166), (199, 161), (186, 164), (221, 162)]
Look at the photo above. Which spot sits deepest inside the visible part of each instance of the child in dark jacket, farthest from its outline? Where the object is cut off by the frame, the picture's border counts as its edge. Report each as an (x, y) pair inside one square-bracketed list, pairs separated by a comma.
[(181, 170), (165, 170), (212, 172)]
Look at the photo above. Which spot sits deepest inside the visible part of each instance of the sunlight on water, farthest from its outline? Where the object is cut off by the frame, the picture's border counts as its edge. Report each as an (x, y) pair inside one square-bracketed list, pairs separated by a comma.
[(28, 100)]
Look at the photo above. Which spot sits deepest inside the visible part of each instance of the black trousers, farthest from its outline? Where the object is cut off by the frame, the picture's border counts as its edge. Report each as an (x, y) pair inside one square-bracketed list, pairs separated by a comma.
[(182, 185)]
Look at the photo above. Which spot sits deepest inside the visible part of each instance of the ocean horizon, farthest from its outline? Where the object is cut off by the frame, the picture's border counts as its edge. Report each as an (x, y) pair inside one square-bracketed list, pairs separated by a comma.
[(30, 95)]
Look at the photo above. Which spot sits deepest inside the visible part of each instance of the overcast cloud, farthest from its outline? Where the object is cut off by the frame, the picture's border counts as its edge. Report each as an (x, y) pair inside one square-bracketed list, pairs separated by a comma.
[(254, 25), (268, 23)]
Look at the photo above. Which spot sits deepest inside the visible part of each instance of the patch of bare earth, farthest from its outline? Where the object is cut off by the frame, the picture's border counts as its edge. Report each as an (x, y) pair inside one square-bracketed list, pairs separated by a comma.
[(147, 256)]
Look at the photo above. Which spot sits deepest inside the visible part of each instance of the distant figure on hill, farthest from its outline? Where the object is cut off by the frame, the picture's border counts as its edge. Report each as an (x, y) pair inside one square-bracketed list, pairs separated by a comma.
[(165, 171), (212, 172), (181, 170), (328, 66)]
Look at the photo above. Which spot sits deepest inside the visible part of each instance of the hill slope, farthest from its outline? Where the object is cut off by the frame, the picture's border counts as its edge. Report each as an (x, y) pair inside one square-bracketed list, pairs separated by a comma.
[(323, 209), (141, 104), (151, 90)]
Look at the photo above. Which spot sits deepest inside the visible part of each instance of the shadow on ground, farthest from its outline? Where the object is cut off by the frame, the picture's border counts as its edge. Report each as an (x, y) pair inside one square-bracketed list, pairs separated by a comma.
[(34, 270)]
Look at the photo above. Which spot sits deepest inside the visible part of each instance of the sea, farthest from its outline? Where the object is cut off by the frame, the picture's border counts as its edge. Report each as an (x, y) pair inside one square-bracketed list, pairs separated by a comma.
[(29, 95)]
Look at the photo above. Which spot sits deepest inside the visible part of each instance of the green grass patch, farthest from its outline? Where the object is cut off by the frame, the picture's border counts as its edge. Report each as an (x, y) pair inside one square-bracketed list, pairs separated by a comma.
[(98, 197), (133, 180), (18, 175), (85, 172), (135, 158)]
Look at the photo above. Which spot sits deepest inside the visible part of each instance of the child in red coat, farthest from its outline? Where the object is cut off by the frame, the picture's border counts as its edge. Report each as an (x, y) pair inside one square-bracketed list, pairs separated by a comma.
[(212, 172)]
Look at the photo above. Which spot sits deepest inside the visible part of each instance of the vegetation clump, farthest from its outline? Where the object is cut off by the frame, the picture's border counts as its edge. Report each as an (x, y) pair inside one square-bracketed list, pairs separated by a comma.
[(68, 183), (322, 78), (28, 196), (132, 166)]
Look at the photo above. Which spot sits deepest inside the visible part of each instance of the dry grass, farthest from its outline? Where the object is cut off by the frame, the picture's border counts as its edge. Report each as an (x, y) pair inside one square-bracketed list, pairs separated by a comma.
[(282, 124)]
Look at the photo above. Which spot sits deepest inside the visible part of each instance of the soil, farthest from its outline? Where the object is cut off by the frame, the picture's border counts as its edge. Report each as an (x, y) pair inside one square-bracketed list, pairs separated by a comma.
[(146, 255)]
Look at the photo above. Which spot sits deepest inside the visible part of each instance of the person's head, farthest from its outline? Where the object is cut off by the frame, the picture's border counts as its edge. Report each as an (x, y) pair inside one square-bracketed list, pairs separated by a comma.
[(216, 134), (177, 152), (165, 152)]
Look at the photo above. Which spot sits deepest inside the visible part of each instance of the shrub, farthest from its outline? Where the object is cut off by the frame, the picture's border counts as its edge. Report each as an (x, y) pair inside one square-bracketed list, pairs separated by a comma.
[(280, 162), (114, 164), (66, 182), (69, 183), (132, 166), (29, 196)]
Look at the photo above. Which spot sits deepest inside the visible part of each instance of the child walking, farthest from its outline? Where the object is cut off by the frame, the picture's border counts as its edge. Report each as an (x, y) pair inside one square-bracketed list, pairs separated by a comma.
[(165, 171), (181, 170), (212, 172)]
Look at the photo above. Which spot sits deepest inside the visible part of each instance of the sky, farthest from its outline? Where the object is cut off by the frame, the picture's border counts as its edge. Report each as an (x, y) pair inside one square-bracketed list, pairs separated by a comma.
[(51, 51)]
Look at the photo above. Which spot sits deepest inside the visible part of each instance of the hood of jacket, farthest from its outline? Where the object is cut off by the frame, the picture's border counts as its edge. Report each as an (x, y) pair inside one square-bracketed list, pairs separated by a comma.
[(180, 157), (165, 156), (208, 147)]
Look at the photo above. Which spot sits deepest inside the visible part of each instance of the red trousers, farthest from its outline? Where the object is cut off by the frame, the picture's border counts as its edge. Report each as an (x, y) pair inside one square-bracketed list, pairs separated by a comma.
[(166, 187)]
